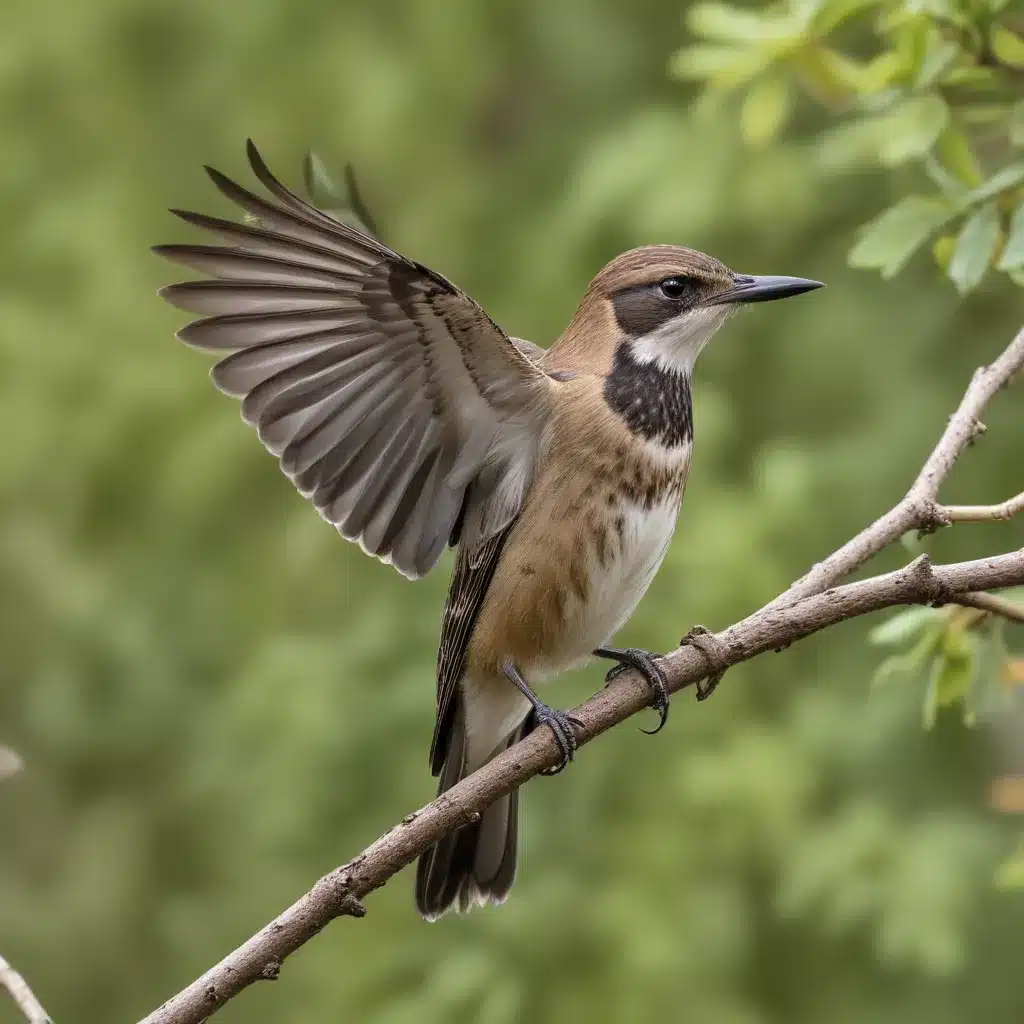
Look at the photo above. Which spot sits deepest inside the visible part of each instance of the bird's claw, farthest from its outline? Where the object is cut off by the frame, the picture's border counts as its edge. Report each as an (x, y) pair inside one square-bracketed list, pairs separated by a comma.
[(563, 726), (644, 663)]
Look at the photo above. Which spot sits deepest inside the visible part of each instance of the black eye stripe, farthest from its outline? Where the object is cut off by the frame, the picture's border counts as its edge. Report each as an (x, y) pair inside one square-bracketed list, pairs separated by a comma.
[(645, 307)]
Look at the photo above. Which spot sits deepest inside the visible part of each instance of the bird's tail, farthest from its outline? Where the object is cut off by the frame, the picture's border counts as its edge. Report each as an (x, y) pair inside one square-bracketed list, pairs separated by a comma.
[(477, 864)]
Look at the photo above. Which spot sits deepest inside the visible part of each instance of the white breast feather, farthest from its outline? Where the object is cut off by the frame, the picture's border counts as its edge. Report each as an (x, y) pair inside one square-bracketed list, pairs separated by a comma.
[(617, 587)]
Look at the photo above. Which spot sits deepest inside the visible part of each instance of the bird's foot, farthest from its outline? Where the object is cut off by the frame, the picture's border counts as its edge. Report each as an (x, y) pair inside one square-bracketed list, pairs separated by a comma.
[(644, 662), (715, 654), (562, 725)]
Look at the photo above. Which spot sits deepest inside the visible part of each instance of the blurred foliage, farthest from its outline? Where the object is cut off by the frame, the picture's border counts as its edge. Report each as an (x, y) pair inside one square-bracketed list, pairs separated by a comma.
[(936, 85), (959, 653), (217, 700)]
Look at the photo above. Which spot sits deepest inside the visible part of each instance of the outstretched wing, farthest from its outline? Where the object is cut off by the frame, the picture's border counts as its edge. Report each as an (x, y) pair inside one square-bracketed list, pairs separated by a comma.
[(391, 399)]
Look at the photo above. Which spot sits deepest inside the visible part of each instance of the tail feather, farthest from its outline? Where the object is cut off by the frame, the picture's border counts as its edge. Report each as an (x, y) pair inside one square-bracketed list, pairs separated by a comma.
[(477, 864)]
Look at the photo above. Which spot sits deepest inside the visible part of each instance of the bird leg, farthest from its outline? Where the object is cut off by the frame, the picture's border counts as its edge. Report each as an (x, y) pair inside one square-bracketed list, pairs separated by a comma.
[(644, 662), (560, 723)]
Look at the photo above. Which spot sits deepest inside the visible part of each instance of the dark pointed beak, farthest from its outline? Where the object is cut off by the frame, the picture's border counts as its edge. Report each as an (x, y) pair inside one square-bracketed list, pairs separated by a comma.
[(748, 288)]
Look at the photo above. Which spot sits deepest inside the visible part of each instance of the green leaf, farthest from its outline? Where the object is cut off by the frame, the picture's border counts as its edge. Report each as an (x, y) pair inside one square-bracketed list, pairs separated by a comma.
[(949, 681), (1001, 181), (725, 67), (887, 242), (945, 10), (1013, 251), (955, 153), (942, 251), (881, 72), (831, 15), (971, 76), (841, 72), (765, 110), (1007, 46), (899, 628), (937, 62), (975, 246), (913, 128), (989, 694), (735, 25), (912, 662), (828, 77), (913, 44)]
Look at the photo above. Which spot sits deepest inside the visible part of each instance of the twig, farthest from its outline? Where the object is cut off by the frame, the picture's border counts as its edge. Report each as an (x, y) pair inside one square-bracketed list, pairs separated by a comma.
[(994, 605), (985, 513), (919, 509), (805, 608), (25, 998)]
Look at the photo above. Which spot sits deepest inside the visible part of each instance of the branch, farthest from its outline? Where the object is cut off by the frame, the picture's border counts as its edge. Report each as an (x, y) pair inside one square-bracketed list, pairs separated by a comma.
[(16, 985), (805, 608), (993, 605), (985, 513), (919, 509)]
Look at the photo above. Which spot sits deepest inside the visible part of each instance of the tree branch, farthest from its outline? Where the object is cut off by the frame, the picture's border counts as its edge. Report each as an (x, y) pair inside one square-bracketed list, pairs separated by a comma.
[(25, 998), (919, 509), (985, 513), (805, 608)]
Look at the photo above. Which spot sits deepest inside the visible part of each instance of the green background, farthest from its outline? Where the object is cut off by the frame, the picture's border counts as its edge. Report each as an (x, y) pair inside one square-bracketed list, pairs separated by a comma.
[(218, 700)]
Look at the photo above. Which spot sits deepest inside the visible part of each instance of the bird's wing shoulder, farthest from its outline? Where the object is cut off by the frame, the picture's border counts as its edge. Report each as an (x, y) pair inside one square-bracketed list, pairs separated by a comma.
[(389, 396)]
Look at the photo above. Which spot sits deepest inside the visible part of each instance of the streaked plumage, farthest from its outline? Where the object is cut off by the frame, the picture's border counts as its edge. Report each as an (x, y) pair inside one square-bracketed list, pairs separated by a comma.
[(412, 421)]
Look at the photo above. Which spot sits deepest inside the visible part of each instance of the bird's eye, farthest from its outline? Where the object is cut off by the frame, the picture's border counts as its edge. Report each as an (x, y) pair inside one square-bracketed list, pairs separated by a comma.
[(674, 287)]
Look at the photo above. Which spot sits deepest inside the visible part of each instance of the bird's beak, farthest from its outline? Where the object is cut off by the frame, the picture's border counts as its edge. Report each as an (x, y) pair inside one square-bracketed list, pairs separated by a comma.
[(748, 288)]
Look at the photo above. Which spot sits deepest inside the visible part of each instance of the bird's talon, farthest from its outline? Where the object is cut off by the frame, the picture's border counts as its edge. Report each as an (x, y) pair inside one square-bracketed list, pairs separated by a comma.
[(660, 704), (615, 671), (645, 664), (562, 726)]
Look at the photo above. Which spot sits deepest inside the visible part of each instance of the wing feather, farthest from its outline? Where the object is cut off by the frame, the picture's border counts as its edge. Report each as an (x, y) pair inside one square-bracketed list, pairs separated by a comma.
[(390, 398), (470, 581)]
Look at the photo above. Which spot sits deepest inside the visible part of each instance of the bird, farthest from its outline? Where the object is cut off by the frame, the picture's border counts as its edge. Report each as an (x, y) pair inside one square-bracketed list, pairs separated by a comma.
[(414, 423)]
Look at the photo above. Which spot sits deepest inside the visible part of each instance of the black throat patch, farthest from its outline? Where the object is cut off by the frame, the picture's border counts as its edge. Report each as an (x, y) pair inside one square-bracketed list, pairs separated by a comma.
[(654, 402)]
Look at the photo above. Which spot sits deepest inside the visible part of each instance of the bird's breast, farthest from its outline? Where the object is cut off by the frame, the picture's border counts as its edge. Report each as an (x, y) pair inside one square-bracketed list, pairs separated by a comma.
[(619, 560), (578, 562)]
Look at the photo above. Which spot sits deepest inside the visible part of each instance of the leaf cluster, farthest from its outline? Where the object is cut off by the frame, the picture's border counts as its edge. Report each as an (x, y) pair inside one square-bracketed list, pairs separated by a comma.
[(929, 91)]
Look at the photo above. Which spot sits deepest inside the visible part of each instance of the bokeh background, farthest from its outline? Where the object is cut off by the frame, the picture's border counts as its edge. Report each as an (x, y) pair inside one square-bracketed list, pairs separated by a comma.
[(218, 700)]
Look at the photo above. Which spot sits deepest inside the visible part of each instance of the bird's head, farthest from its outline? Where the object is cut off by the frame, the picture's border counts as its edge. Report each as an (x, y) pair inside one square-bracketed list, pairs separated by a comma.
[(666, 302)]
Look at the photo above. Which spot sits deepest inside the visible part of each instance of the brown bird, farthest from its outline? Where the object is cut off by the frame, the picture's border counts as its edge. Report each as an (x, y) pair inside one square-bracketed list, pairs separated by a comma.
[(413, 422)]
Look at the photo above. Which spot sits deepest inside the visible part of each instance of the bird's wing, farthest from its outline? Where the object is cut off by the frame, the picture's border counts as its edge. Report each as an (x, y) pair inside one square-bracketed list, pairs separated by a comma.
[(471, 578), (389, 396)]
